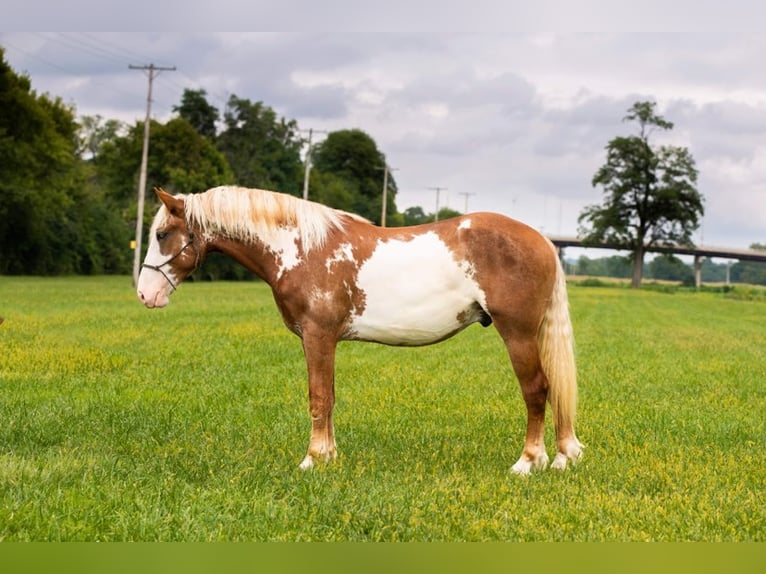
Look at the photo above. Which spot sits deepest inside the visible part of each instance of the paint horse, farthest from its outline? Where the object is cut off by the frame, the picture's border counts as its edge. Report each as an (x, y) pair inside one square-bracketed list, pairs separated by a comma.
[(336, 276)]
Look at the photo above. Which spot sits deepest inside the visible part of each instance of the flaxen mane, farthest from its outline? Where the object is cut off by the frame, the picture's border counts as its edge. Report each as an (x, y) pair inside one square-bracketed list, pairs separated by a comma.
[(250, 214)]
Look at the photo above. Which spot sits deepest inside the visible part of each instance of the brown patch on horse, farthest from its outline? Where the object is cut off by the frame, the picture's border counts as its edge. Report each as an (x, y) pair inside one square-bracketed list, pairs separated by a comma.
[(331, 270)]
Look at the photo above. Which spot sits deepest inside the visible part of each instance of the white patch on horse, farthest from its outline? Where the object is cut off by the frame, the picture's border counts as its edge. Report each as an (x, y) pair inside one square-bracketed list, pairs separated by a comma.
[(416, 293), (319, 296), (283, 242), (344, 252), (465, 224)]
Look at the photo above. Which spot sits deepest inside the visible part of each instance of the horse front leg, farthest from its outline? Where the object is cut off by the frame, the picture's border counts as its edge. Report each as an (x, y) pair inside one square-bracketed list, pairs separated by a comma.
[(319, 349)]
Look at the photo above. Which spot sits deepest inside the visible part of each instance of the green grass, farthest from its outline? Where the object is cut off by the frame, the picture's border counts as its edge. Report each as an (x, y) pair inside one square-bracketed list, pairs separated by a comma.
[(188, 423)]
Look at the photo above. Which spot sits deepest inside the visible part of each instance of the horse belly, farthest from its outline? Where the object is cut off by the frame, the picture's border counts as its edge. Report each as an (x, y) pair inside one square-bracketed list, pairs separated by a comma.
[(415, 293)]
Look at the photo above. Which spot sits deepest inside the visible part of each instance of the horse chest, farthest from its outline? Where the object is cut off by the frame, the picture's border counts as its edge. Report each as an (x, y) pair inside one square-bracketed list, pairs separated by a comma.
[(415, 292)]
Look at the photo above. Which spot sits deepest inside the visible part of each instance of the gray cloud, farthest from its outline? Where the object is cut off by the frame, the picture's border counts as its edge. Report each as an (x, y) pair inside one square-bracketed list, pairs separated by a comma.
[(521, 120)]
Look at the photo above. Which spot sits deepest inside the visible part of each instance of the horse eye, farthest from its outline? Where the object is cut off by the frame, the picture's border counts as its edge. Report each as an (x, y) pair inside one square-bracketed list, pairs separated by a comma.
[(161, 235)]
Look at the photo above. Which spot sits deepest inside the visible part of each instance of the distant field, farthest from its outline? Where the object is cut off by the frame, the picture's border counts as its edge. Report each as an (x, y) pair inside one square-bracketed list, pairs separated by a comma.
[(188, 423)]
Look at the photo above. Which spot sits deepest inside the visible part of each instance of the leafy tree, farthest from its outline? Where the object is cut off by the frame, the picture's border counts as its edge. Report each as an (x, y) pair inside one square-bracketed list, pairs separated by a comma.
[(650, 193), (415, 216), (713, 272), (180, 160), (94, 133), (333, 190), (184, 161), (353, 157), (447, 212), (612, 266), (39, 171), (670, 268), (752, 272), (262, 150), (198, 112)]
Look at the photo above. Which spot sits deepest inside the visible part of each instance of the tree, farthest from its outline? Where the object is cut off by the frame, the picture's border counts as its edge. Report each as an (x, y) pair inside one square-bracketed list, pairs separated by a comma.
[(94, 133), (447, 213), (650, 193), (353, 157), (198, 112), (752, 272), (39, 176), (262, 150), (612, 266), (670, 268), (415, 216), (180, 160), (332, 190)]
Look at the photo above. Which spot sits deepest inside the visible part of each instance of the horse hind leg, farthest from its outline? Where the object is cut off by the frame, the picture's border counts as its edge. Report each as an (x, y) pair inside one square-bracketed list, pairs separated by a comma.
[(534, 389)]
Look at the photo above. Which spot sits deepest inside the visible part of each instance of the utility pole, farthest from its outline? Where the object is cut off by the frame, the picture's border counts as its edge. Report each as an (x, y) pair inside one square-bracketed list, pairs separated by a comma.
[(466, 194), (153, 72), (307, 171), (386, 170), (438, 190)]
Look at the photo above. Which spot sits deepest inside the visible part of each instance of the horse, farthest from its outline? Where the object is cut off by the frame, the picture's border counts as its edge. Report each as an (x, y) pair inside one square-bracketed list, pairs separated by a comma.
[(336, 276)]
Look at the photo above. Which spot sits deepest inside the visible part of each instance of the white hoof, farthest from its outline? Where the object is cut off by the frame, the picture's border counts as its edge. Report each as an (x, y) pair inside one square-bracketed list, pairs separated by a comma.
[(572, 452), (559, 461), (312, 460), (307, 463), (524, 466)]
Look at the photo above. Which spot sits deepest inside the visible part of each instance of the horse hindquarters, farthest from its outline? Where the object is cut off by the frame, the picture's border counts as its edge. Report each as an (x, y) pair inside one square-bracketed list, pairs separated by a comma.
[(538, 336)]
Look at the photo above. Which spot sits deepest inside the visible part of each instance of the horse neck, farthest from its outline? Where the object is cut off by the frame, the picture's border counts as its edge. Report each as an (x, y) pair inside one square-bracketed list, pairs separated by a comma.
[(256, 257)]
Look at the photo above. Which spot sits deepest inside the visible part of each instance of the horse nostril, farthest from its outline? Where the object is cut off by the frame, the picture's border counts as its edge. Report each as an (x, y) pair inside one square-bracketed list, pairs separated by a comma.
[(141, 296)]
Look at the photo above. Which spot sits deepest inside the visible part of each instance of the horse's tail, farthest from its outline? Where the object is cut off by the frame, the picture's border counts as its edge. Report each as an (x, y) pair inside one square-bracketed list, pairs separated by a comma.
[(556, 344)]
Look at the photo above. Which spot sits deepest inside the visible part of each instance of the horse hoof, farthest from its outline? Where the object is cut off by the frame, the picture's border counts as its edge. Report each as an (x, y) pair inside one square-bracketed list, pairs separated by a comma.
[(573, 453), (525, 466), (307, 463)]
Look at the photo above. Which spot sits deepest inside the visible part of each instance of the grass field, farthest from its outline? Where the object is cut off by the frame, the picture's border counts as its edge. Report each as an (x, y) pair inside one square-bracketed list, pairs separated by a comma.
[(188, 423)]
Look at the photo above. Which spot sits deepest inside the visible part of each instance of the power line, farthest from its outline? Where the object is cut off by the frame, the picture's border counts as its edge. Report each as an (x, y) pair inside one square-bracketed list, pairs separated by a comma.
[(88, 47), (110, 45), (153, 72), (54, 65)]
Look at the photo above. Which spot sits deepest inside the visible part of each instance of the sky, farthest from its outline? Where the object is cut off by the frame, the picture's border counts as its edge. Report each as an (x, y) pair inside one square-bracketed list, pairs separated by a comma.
[(505, 121)]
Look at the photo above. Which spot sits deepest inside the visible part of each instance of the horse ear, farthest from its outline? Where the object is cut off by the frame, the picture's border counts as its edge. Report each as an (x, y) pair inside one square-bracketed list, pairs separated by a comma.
[(175, 205)]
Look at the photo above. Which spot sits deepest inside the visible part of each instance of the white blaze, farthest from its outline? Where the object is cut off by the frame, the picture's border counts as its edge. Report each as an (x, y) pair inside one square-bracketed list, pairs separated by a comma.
[(414, 291), (153, 288)]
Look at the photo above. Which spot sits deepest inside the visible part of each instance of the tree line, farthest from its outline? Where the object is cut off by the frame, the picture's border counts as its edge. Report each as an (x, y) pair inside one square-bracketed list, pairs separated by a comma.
[(68, 185), (667, 267)]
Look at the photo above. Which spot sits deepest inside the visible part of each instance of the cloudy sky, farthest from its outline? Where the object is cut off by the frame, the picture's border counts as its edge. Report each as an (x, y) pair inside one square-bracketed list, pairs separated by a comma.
[(502, 121)]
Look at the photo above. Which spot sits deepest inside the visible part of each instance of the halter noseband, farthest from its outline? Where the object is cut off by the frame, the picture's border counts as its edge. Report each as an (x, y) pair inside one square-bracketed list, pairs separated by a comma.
[(159, 267)]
